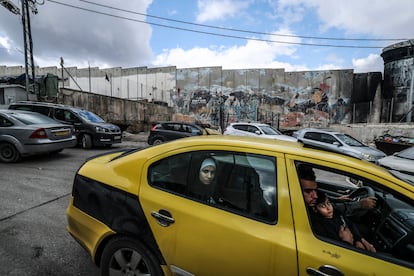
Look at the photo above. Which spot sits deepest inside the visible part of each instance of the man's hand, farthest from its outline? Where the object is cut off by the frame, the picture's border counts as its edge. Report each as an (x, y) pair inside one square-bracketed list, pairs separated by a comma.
[(346, 235), (364, 203), (364, 244), (368, 202), (344, 198), (368, 246)]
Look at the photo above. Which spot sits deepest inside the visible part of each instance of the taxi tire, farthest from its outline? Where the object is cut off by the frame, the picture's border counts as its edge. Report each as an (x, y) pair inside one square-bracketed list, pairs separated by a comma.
[(125, 249)]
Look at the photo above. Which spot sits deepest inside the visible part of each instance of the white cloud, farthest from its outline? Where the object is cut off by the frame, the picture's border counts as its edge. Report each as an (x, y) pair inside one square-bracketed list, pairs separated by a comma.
[(291, 11), (5, 43), (219, 9), (372, 63), (254, 54), (379, 18), (81, 37)]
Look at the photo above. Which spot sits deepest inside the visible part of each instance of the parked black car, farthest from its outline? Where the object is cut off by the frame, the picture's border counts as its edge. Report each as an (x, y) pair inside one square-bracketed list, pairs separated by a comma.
[(168, 131), (90, 129)]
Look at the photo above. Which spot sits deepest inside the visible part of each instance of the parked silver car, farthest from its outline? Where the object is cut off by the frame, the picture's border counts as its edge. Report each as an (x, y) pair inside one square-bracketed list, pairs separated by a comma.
[(256, 130), (24, 133), (402, 161), (337, 142), (90, 129)]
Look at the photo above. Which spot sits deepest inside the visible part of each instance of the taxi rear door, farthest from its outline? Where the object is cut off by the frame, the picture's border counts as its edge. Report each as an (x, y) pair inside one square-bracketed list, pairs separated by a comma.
[(205, 240)]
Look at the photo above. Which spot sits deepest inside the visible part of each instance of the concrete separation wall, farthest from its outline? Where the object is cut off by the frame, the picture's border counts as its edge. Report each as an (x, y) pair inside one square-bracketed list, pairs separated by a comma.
[(367, 133), (139, 116), (135, 116)]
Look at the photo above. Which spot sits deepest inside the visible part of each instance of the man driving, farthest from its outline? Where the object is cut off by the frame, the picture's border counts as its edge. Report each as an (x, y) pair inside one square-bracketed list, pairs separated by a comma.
[(309, 188), (344, 203)]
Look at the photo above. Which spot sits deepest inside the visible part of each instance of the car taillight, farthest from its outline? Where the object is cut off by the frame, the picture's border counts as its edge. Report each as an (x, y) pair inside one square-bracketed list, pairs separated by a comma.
[(153, 128), (39, 133)]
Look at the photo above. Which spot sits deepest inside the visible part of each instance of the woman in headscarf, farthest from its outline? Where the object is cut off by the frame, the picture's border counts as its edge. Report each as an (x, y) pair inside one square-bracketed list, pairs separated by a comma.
[(204, 186), (207, 171)]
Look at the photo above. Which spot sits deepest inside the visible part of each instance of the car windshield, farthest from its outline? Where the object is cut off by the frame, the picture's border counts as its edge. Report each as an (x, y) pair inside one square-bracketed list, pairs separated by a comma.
[(406, 154), (89, 116), (269, 130), (349, 140), (33, 118)]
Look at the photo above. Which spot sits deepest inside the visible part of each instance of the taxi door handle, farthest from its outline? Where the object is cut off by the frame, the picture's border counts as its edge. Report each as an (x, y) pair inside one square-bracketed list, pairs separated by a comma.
[(163, 217), (324, 270)]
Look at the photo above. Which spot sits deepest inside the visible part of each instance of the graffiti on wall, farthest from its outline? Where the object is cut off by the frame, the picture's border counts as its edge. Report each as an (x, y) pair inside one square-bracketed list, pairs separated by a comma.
[(219, 97), (286, 99), (397, 85)]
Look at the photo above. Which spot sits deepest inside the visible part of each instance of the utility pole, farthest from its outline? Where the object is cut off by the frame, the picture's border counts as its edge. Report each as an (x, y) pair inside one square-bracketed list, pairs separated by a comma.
[(27, 37), (28, 44)]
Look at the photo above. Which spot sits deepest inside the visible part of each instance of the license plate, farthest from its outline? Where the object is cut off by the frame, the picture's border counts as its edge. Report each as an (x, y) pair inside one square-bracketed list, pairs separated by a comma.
[(61, 133), (117, 137)]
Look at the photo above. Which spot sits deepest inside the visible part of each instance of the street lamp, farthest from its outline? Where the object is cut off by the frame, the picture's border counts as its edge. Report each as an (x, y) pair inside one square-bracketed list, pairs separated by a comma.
[(10, 6)]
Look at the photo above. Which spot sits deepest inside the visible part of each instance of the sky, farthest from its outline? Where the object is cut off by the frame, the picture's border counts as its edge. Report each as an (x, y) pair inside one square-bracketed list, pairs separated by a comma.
[(297, 35)]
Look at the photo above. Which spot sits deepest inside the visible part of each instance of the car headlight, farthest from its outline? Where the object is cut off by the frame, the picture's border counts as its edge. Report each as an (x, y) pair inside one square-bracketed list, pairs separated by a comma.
[(101, 129), (368, 157)]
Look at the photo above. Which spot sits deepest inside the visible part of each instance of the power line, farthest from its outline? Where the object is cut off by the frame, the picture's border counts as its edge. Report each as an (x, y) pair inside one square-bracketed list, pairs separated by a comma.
[(216, 34), (11, 49), (243, 31)]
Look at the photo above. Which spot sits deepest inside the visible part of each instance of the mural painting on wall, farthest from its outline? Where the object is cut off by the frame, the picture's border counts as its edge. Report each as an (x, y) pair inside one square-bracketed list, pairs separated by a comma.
[(397, 85), (267, 95)]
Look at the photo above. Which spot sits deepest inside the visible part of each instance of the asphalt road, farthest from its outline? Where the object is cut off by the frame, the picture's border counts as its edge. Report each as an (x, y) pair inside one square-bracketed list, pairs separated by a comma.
[(33, 200)]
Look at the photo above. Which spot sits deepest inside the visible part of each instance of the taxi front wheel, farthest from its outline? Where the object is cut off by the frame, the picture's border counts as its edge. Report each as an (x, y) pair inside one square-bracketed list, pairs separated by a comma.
[(127, 256)]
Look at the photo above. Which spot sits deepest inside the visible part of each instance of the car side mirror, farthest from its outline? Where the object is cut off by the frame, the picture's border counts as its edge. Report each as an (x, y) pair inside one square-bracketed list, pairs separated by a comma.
[(336, 144), (257, 132)]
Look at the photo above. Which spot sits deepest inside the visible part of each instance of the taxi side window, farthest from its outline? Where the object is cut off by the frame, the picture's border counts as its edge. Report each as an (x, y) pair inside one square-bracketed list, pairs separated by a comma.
[(387, 225), (244, 184), (171, 173)]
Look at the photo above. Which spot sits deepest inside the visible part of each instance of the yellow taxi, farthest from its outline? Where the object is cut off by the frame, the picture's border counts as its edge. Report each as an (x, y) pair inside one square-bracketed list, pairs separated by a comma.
[(227, 205)]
